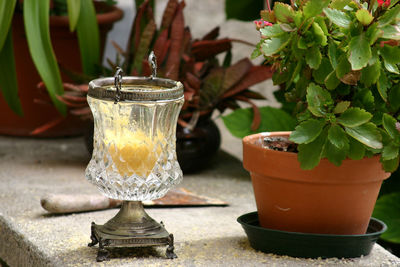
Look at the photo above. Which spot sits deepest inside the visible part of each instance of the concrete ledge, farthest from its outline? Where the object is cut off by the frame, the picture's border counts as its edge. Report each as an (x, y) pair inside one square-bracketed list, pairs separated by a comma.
[(204, 236)]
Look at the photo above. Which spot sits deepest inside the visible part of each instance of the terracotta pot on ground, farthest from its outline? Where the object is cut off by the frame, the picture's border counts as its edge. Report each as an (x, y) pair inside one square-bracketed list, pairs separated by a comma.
[(325, 200), (66, 48)]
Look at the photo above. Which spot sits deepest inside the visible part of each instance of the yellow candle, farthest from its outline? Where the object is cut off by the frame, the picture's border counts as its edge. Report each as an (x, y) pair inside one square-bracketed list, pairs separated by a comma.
[(133, 152)]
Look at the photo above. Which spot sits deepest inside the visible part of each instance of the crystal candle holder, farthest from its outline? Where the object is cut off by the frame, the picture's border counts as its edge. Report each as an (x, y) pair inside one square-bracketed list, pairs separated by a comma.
[(134, 156)]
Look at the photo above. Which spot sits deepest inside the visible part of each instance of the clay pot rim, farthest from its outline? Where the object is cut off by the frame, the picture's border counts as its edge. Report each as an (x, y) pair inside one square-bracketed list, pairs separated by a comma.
[(319, 174)]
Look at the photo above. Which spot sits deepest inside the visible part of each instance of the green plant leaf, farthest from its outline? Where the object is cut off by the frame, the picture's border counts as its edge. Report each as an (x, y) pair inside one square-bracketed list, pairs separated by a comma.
[(394, 96), (390, 165), (323, 71), (274, 45), (8, 76), (272, 31), (383, 85), (6, 14), (370, 74), (331, 81), (364, 16), (391, 67), (319, 34), (89, 38), (338, 17), (367, 133), (332, 54), (353, 117), (373, 33), (389, 123), (337, 136), (319, 100), (335, 154), (314, 57), (339, 4), (307, 131), (343, 66), (283, 12), (74, 7), (310, 154), (390, 151), (314, 7), (391, 32), (389, 16), (272, 119), (387, 209), (243, 10), (341, 107), (359, 52), (356, 149), (390, 54), (36, 20)]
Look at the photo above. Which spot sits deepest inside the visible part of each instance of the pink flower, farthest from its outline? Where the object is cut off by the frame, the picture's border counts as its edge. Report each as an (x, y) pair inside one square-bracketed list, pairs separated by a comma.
[(384, 2), (262, 23)]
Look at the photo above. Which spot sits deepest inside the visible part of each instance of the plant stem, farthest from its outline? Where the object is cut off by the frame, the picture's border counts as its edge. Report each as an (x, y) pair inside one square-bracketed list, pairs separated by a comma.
[(268, 5)]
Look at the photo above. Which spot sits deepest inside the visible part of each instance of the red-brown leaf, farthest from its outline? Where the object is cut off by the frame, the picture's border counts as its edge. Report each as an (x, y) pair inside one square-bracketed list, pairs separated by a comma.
[(212, 35), (193, 81), (177, 35), (206, 49), (169, 13), (81, 111), (159, 45), (235, 73), (255, 75), (47, 126)]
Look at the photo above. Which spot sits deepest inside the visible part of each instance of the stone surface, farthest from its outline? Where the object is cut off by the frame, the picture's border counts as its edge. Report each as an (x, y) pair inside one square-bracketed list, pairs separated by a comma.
[(209, 236)]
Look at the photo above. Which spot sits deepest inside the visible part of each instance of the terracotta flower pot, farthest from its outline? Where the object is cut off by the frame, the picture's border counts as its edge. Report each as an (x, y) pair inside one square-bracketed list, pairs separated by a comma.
[(325, 200), (66, 48)]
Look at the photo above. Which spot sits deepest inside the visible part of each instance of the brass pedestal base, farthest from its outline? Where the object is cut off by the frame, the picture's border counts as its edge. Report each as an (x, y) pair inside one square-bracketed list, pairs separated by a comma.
[(131, 227)]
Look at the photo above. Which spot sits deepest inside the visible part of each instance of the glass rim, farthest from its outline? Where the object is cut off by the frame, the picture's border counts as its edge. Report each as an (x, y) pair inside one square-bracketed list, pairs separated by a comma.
[(134, 89)]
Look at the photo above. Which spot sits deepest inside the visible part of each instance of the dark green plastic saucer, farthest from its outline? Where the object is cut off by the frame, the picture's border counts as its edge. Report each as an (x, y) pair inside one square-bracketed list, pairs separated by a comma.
[(310, 245)]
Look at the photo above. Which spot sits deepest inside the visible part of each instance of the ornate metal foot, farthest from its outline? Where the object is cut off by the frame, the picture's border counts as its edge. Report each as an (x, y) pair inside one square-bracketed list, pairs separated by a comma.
[(102, 254), (93, 236), (170, 249)]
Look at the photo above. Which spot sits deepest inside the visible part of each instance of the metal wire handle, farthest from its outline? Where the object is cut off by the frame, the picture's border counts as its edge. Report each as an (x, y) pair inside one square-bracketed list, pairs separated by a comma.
[(118, 84), (153, 64)]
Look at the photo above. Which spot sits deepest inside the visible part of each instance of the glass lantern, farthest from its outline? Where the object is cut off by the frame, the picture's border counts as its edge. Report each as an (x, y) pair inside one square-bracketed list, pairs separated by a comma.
[(134, 157)]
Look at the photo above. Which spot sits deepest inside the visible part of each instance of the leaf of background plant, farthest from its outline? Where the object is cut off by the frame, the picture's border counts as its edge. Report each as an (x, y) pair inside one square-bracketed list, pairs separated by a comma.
[(338, 17), (364, 16), (387, 209), (89, 38), (389, 16), (6, 14), (318, 100), (310, 154), (356, 149), (341, 107), (272, 119), (307, 131), (314, 7), (370, 74), (339, 4), (274, 45), (389, 123), (334, 154), (314, 57), (337, 136), (390, 151), (8, 76), (36, 20), (367, 134), (323, 71), (243, 10), (74, 7), (283, 12), (353, 117), (359, 52)]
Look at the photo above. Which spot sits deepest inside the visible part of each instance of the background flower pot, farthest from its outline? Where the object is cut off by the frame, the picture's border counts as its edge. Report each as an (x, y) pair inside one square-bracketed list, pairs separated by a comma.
[(325, 200), (66, 48)]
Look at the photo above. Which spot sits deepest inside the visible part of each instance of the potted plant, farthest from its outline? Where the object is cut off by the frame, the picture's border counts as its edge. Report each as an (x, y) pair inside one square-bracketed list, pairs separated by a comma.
[(28, 55), (337, 62), (209, 85)]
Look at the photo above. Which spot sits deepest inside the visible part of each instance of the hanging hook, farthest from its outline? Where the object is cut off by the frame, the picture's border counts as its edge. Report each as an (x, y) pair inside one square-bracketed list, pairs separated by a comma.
[(118, 84), (153, 64)]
